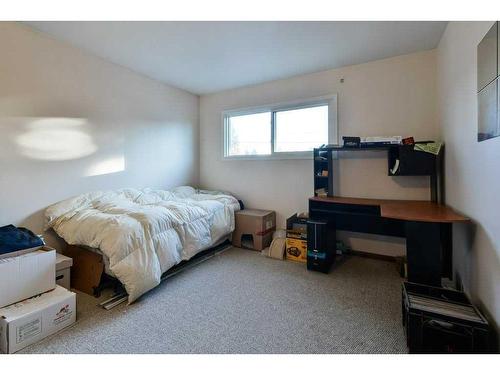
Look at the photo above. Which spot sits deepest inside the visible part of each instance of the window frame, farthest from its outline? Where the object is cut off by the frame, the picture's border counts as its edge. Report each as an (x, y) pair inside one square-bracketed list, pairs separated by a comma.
[(330, 100)]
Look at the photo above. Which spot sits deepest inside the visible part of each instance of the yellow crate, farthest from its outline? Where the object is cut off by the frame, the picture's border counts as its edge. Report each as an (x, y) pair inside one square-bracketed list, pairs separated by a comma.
[(296, 250)]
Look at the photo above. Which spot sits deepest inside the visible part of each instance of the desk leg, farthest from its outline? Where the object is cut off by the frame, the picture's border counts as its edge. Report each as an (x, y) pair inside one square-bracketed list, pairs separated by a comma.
[(423, 250), (447, 248)]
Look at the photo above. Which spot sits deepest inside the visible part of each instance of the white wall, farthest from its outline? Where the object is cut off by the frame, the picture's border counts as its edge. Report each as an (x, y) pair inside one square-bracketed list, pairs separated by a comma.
[(393, 96), (67, 118), (472, 168)]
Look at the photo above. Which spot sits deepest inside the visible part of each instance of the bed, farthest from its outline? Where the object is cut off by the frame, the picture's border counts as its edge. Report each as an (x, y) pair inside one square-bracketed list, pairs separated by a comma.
[(142, 233)]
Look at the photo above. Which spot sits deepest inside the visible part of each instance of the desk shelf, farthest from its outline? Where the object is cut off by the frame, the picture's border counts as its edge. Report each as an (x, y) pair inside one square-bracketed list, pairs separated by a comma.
[(322, 162), (408, 161), (363, 148)]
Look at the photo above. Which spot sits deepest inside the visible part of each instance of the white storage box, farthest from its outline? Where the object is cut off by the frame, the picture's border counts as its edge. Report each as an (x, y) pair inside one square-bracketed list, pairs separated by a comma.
[(27, 275), (19, 252), (31, 320), (63, 270)]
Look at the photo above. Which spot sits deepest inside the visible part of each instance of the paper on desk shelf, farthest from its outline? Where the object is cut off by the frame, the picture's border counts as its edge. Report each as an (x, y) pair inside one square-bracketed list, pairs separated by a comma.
[(432, 148), (396, 139)]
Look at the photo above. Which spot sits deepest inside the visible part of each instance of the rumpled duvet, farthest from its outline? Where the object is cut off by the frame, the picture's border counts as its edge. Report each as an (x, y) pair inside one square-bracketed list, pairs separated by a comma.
[(144, 232)]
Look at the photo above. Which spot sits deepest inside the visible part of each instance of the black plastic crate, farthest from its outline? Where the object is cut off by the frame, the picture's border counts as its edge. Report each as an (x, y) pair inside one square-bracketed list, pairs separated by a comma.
[(440, 320)]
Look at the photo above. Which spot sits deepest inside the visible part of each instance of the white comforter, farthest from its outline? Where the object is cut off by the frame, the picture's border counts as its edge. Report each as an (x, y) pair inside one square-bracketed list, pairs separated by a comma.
[(144, 232)]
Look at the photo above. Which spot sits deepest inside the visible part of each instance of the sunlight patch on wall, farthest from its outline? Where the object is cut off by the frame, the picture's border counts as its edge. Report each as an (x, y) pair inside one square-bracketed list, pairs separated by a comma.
[(56, 139), (107, 166)]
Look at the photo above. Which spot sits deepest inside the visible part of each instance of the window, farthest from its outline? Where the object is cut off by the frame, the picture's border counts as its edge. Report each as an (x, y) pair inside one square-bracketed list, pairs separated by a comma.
[(249, 134), (281, 131), (301, 129)]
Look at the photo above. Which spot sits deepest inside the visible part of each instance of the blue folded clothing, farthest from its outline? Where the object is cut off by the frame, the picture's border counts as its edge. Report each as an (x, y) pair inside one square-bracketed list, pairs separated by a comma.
[(14, 239)]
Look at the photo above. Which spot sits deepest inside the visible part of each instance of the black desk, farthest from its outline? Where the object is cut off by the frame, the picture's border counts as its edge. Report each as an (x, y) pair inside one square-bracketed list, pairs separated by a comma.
[(427, 227)]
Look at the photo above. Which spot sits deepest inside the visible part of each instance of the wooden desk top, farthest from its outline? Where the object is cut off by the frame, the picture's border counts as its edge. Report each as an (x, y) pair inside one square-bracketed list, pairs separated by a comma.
[(407, 210)]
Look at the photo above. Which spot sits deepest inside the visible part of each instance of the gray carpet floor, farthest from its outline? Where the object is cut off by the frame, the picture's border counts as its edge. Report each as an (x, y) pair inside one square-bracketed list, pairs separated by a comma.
[(243, 302)]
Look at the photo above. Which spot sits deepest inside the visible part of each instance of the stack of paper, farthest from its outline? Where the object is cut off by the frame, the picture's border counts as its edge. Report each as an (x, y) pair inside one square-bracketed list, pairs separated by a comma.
[(379, 141), (447, 308)]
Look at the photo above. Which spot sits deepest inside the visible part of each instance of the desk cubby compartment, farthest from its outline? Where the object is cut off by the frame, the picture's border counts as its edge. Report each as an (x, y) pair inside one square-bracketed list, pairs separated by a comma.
[(438, 320), (411, 162), (322, 171)]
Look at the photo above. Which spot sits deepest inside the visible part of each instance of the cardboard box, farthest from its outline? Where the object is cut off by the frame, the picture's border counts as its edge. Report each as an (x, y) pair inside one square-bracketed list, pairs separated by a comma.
[(87, 270), (297, 223), (63, 270), (260, 224), (296, 247), (18, 252), (27, 275), (296, 239), (31, 320)]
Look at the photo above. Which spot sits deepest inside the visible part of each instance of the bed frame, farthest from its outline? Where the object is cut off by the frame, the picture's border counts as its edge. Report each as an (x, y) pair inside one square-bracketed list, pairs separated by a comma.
[(88, 276)]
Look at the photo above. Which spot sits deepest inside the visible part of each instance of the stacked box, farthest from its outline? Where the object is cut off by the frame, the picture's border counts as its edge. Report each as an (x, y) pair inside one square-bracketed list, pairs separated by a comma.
[(27, 275), (27, 322), (63, 270), (32, 306), (296, 239)]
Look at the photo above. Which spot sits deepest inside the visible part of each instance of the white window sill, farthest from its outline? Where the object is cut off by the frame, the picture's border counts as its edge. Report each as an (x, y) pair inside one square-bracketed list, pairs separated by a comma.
[(308, 155)]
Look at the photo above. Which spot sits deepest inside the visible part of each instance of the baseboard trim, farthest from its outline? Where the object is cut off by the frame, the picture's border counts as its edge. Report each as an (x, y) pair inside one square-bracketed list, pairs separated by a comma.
[(365, 254)]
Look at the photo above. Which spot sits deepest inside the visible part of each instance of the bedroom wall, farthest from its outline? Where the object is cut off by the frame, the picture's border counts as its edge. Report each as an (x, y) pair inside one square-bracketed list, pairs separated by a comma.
[(472, 178), (72, 123), (395, 96)]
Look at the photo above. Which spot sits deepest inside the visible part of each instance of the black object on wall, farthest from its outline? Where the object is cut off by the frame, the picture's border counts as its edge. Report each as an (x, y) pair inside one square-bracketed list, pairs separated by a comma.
[(488, 85)]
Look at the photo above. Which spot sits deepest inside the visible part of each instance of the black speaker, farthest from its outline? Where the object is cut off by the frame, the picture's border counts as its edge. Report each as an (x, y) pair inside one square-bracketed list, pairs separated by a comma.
[(321, 245)]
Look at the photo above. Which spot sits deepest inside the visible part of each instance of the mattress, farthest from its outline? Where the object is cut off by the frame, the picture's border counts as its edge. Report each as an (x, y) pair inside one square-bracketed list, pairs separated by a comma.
[(105, 259), (144, 232)]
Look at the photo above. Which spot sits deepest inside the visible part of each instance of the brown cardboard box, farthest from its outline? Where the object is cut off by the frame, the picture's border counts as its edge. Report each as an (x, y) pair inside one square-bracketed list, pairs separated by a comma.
[(87, 269), (260, 224)]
